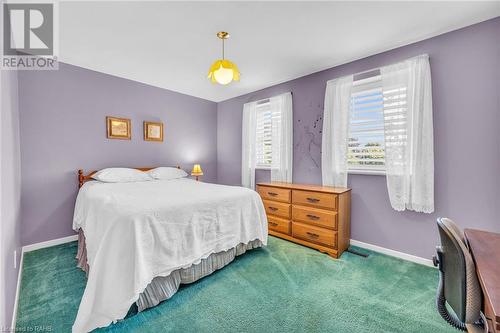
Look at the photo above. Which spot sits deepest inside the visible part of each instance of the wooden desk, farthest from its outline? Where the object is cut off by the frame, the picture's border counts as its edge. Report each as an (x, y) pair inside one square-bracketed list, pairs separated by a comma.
[(485, 249)]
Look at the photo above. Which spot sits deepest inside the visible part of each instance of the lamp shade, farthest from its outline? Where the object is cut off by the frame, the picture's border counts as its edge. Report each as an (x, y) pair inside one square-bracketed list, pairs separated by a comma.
[(196, 170), (223, 72)]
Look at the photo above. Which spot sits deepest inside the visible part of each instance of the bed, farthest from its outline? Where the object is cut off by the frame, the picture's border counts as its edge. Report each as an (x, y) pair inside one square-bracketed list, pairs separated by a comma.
[(139, 241)]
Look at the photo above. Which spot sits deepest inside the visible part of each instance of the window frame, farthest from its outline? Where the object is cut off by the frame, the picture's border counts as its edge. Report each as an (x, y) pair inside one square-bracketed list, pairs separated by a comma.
[(371, 83)]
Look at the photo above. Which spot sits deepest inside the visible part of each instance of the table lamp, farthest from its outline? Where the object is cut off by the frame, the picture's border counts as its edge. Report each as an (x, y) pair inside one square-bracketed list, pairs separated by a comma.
[(197, 172)]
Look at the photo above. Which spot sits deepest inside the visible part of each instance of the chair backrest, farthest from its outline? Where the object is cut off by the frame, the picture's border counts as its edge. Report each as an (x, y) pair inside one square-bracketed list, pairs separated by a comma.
[(461, 287)]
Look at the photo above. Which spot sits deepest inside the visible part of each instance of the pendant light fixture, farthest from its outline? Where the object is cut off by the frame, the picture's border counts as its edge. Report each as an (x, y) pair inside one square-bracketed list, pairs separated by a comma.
[(223, 71)]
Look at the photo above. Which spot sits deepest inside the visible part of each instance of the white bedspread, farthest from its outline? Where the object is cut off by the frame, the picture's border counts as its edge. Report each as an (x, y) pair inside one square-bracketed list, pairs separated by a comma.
[(137, 231)]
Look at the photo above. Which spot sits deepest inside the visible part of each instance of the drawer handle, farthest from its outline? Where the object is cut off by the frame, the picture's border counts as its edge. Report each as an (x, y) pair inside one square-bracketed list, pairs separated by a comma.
[(312, 200), (272, 194), (313, 217), (313, 235), (273, 224), (273, 208)]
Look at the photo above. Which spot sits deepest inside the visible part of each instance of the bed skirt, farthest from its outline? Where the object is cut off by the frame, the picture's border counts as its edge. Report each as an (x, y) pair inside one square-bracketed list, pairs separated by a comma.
[(162, 288)]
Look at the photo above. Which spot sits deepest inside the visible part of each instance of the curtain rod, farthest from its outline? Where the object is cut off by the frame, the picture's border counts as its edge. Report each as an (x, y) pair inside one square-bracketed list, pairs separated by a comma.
[(367, 71), (378, 68), (266, 100)]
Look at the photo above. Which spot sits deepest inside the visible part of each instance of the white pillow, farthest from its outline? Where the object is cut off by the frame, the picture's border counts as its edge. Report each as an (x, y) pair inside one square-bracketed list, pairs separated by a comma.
[(121, 175), (167, 173)]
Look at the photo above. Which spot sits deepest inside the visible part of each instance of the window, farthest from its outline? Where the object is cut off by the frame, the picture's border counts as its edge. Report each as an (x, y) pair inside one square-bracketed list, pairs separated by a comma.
[(377, 120), (267, 139), (366, 145), (268, 122)]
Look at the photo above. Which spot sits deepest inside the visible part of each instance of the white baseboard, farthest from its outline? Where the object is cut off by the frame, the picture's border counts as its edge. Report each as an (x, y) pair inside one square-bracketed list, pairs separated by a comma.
[(36, 246), (29, 248), (18, 288), (393, 253)]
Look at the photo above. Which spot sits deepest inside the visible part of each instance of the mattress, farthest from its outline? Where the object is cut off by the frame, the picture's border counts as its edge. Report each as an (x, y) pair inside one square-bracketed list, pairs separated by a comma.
[(136, 232)]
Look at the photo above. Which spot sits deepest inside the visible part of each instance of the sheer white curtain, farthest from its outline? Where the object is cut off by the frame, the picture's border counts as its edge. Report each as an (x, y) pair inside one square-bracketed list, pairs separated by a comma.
[(282, 137), (409, 152), (248, 158), (336, 131)]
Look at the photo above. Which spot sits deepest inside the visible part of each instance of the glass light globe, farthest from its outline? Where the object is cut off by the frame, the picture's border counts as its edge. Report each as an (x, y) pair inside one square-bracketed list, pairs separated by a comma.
[(223, 72), (223, 75)]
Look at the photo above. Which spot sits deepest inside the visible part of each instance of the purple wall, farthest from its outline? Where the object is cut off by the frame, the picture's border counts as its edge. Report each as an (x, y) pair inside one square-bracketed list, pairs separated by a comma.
[(466, 74), (10, 203), (62, 122)]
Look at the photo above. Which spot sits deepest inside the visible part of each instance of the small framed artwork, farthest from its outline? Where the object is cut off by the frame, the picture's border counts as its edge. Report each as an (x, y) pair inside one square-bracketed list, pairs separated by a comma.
[(153, 131), (118, 128)]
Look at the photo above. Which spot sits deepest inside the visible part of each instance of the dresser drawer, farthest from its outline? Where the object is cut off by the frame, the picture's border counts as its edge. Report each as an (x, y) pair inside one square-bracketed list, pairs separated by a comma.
[(319, 217), (313, 234), (274, 193), (315, 199), (279, 225), (277, 208)]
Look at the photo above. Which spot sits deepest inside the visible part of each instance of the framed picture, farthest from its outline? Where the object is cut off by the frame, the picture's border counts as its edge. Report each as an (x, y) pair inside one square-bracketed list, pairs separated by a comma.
[(153, 131), (118, 128)]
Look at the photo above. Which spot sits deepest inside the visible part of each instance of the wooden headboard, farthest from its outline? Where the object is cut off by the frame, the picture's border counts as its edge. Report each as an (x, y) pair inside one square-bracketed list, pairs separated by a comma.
[(82, 178)]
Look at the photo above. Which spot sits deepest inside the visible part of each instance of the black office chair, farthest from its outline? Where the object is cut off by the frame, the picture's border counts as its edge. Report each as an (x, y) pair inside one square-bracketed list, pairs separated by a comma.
[(458, 284)]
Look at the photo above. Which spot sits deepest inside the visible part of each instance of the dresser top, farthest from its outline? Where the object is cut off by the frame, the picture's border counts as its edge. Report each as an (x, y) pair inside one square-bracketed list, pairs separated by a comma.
[(306, 187)]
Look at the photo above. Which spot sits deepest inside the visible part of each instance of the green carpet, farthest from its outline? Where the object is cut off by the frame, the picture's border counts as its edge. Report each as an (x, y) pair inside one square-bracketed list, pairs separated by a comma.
[(282, 288)]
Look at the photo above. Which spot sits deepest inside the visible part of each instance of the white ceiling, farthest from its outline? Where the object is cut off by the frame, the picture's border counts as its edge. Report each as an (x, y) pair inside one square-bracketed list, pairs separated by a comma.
[(172, 44)]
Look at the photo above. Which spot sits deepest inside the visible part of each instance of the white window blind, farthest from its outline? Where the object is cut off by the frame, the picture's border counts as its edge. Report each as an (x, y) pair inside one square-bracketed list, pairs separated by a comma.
[(377, 120), (268, 121), (366, 145)]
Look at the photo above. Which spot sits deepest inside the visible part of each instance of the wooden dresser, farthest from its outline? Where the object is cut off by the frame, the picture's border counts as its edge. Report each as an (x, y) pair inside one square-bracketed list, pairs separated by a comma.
[(314, 216)]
